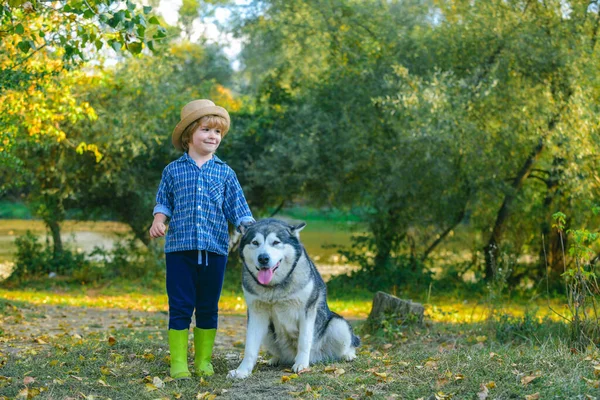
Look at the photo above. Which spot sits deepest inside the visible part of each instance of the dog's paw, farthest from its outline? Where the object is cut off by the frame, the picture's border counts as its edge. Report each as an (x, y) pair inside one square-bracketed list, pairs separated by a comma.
[(299, 366), (349, 356), (238, 374)]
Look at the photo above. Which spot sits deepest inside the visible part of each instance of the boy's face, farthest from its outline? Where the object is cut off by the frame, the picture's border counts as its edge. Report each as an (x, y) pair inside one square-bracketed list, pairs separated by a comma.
[(205, 140)]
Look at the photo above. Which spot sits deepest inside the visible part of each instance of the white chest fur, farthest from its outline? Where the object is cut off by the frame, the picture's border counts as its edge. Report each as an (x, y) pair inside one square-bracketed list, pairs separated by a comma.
[(285, 314)]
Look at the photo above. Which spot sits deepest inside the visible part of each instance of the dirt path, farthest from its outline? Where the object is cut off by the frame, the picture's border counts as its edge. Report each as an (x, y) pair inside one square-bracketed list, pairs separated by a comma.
[(24, 328)]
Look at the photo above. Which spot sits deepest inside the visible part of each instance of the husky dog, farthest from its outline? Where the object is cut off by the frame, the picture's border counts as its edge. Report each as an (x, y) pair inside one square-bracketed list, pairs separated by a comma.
[(287, 302)]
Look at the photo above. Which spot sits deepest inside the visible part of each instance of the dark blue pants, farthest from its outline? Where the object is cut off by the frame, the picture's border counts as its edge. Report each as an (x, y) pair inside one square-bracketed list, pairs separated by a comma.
[(194, 280)]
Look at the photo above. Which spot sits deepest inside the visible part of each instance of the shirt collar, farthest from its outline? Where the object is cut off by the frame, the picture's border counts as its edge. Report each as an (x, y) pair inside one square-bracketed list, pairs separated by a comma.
[(186, 158)]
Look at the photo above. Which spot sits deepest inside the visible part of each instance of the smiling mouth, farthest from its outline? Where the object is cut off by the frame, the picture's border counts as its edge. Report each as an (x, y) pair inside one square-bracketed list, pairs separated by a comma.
[(274, 268), (265, 275)]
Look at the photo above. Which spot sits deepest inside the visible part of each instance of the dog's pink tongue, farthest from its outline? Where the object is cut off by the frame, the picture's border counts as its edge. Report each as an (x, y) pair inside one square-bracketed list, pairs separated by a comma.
[(265, 275)]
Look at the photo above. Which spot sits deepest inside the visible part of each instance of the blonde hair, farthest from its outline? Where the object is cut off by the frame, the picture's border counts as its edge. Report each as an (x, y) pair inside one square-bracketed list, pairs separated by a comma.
[(210, 121)]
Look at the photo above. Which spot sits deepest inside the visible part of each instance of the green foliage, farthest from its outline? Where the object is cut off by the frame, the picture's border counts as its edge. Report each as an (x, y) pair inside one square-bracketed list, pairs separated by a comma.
[(509, 328), (400, 274), (126, 260), (583, 290), (35, 260)]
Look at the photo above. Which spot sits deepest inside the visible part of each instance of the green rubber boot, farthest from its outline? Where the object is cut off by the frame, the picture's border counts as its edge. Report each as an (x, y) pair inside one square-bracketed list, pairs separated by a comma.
[(178, 345), (204, 339)]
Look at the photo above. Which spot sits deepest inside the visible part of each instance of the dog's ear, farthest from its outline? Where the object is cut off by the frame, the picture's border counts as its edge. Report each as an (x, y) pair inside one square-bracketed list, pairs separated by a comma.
[(296, 229)]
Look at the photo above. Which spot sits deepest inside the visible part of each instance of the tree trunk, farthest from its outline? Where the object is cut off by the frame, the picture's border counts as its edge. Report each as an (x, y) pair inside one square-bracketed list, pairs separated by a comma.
[(54, 227), (491, 250)]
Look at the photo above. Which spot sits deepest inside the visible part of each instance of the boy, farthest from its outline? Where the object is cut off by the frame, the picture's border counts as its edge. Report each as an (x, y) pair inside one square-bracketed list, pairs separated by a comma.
[(198, 193)]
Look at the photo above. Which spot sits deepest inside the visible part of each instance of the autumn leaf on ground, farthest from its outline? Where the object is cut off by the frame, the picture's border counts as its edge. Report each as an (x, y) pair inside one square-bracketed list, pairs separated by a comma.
[(534, 396), (329, 368), (526, 380), (596, 370), (111, 341), (150, 387), (287, 378), (103, 383), (28, 380), (206, 396), (592, 383), (339, 371), (483, 392), (158, 382)]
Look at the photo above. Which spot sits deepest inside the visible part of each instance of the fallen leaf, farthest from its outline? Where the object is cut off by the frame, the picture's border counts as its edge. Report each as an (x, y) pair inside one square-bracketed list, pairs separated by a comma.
[(150, 387), (459, 377), (329, 368), (526, 380), (534, 396), (483, 392), (387, 346), (158, 382), (481, 338), (591, 382), (287, 378), (111, 341), (28, 380), (596, 370), (490, 385), (103, 383), (339, 371)]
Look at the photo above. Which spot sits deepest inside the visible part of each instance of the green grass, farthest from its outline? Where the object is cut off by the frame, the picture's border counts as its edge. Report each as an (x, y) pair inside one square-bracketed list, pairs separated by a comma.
[(439, 360)]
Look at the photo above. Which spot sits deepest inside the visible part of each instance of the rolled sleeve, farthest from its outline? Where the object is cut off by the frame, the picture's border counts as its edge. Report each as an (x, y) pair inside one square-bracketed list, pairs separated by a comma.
[(164, 196), (235, 207)]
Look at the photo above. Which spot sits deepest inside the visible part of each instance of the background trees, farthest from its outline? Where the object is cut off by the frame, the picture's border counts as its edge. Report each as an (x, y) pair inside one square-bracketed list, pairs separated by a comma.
[(418, 116)]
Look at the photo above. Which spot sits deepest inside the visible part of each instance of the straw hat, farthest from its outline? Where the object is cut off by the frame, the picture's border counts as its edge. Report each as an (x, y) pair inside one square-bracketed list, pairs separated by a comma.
[(195, 110)]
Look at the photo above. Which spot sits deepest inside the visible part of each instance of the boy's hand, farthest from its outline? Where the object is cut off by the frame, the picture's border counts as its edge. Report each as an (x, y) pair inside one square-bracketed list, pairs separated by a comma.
[(158, 227)]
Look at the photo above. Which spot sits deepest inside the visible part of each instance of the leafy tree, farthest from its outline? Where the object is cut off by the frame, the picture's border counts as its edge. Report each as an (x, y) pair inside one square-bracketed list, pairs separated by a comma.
[(42, 45)]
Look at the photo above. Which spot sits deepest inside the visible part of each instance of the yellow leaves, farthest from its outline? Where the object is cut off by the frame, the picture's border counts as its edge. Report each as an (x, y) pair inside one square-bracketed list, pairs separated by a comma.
[(287, 378), (336, 371), (307, 390), (484, 390), (223, 97), (526, 380), (206, 396), (596, 370), (535, 396), (84, 147), (104, 370), (111, 340), (592, 383)]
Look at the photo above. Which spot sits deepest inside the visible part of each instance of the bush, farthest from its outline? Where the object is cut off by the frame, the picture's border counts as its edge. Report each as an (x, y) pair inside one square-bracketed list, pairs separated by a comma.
[(34, 259), (128, 260), (401, 273)]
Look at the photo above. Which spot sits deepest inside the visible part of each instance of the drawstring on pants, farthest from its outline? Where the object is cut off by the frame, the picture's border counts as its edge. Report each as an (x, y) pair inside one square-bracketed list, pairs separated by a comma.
[(205, 257)]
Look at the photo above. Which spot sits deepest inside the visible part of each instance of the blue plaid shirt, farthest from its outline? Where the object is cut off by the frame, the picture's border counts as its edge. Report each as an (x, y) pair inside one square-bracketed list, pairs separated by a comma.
[(199, 201)]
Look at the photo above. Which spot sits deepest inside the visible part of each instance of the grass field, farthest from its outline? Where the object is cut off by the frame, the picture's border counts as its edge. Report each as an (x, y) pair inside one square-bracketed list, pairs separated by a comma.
[(127, 358)]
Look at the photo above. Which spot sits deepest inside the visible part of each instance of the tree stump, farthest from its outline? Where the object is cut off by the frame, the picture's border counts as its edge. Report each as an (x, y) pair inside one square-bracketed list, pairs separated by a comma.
[(386, 304)]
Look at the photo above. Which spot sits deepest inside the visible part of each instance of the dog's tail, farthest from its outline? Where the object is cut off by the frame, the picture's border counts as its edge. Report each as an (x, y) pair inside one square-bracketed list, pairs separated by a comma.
[(355, 340)]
